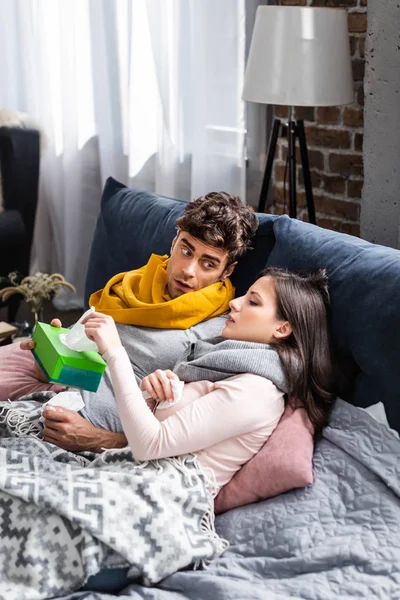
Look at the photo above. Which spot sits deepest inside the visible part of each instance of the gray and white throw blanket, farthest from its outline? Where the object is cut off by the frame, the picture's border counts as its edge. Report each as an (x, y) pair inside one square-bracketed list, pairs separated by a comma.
[(64, 516)]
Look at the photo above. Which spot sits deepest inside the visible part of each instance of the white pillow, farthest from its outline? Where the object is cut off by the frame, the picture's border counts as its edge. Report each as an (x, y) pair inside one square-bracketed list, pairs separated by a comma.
[(377, 411)]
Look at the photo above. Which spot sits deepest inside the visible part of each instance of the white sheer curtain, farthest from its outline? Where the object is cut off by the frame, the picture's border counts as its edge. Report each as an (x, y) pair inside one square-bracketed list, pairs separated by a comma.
[(147, 91)]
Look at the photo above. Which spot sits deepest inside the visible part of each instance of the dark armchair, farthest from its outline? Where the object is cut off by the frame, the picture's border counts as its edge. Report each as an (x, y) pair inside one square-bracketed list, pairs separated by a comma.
[(19, 164)]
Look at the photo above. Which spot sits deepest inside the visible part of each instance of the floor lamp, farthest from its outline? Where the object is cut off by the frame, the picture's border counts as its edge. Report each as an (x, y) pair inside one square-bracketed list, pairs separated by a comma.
[(299, 56)]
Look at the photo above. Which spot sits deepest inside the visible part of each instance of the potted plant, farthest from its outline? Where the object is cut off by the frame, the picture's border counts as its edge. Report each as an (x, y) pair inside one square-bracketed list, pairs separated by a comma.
[(36, 289)]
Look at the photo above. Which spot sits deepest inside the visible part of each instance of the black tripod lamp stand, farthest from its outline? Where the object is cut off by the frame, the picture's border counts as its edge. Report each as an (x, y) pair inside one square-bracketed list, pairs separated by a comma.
[(293, 130), (299, 56)]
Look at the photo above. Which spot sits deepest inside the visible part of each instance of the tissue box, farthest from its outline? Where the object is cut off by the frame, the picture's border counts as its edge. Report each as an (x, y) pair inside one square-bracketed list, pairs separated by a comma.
[(62, 365)]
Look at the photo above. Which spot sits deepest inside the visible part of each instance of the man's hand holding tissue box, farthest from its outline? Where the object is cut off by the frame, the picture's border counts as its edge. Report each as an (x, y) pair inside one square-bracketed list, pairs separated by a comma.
[(70, 357)]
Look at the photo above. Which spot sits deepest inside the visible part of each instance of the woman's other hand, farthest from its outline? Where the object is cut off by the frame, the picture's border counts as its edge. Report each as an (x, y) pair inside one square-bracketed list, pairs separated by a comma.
[(101, 329), (158, 385)]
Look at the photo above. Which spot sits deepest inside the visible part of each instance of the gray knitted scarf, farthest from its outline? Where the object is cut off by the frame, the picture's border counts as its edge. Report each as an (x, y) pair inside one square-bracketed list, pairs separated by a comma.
[(217, 358)]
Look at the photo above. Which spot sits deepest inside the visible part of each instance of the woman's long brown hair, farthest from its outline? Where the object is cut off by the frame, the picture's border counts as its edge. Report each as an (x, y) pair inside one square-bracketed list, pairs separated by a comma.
[(303, 300)]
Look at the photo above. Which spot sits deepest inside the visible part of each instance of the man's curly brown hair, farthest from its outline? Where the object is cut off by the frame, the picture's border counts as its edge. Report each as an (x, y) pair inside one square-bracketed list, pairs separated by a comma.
[(220, 220)]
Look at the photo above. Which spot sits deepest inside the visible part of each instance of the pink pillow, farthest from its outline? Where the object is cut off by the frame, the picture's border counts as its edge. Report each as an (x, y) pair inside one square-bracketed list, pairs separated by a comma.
[(18, 375), (283, 463)]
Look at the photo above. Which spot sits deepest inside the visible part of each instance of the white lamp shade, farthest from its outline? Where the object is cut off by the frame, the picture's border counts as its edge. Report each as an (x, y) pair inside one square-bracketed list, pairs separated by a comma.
[(299, 56)]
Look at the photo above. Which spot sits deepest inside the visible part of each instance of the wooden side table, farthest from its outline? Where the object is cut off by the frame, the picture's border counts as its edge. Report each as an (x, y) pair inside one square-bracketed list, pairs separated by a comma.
[(6, 333)]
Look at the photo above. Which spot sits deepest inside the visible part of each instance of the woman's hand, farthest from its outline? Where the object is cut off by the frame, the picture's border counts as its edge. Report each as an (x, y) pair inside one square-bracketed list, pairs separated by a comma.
[(158, 385), (101, 329)]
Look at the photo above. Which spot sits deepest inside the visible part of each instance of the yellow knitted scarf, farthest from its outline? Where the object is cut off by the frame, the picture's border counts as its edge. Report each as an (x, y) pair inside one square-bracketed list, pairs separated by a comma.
[(140, 297)]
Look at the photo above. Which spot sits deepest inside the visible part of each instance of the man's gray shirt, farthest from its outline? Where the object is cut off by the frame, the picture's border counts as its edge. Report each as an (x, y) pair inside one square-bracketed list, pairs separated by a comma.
[(148, 349)]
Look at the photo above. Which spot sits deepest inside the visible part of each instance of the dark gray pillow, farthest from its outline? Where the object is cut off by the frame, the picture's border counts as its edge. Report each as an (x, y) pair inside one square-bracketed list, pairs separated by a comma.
[(364, 282)]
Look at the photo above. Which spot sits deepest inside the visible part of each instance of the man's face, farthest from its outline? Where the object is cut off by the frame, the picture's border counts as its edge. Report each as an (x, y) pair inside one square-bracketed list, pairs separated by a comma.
[(194, 265)]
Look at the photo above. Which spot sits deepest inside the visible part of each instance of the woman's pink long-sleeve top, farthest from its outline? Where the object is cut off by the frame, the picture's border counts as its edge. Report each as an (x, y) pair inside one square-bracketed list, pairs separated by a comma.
[(224, 423)]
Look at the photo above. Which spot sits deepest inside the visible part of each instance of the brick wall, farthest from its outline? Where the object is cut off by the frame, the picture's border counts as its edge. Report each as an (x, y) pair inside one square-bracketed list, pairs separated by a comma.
[(334, 140)]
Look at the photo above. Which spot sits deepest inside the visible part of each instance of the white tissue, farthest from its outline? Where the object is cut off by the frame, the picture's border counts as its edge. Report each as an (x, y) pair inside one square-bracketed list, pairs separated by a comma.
[(69, 399), (76, 338), (177, 390)]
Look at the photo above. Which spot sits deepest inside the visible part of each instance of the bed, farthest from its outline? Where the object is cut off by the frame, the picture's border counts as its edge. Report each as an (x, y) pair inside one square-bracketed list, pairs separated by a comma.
[(337, 538)]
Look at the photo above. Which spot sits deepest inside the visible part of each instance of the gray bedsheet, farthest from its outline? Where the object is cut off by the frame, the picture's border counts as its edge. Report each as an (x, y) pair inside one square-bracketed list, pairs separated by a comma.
[(337, 539)]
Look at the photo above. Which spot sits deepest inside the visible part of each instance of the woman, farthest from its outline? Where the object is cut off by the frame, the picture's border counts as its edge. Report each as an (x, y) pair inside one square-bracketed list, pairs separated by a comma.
[(274, 348)]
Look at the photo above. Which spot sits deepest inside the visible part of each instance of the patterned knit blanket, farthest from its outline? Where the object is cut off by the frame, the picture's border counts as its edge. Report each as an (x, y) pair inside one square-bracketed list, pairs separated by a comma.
[(64, 516)]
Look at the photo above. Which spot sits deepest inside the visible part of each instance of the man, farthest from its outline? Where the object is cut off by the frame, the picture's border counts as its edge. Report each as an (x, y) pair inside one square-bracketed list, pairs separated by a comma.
[(161, 309)]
